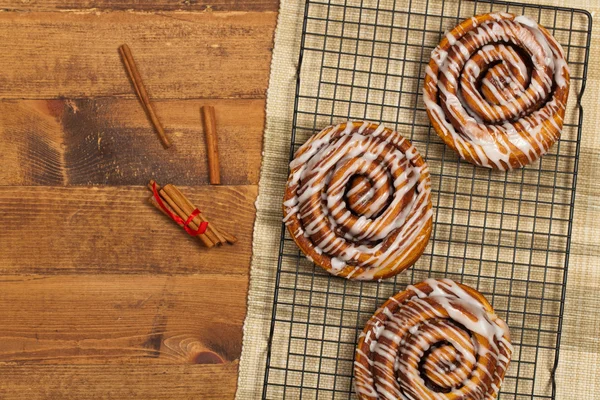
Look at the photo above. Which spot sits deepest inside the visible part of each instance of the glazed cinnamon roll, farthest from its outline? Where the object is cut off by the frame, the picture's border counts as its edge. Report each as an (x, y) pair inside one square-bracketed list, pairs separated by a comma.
[(496, 89), (436, 340), (358, 201)]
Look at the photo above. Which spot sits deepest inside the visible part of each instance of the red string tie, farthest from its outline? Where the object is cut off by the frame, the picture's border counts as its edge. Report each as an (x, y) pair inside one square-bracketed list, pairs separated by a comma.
[(185, 224)]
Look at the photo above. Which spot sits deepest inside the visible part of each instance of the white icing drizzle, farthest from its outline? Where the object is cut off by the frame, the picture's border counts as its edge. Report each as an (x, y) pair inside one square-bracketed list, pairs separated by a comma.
[(385, 227), (483, 101), (436, 340)]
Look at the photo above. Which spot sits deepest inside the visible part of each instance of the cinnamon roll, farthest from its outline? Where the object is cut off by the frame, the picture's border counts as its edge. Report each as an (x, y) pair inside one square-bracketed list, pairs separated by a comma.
[(496, 89), (436, 340), (358, 201)]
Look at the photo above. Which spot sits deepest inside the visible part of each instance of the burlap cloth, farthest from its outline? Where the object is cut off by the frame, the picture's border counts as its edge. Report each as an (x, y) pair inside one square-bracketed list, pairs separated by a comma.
[(577, 376)]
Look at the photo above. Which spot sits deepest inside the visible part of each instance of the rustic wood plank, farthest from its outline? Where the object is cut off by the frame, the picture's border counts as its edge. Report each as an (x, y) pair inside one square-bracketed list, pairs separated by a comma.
[(179, 54), (146, 5), (82, 382), (54, 230), (110, 141), (117, 319)]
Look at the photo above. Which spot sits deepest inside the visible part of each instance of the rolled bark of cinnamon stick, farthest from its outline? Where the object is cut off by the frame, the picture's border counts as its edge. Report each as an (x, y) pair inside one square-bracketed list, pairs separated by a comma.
[(205, 238), (210, 132), (184, 212), (140, 90), (178, 204), (230, 238), (176, 194)]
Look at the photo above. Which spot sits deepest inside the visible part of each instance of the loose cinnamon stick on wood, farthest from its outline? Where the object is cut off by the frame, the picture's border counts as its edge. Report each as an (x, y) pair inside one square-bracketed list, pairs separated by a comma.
[(205, 238), (140, 90), (210, 132), (176, 194)]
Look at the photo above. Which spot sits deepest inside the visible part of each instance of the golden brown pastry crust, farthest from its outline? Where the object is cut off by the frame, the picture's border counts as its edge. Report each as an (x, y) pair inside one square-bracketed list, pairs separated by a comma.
[(437, 339), (496, 89), (358, 201)]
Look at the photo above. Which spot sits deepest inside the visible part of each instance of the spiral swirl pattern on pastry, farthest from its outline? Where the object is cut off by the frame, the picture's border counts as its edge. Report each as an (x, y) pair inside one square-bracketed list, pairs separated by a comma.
[(358, 201), (496, 89), (436, 340)]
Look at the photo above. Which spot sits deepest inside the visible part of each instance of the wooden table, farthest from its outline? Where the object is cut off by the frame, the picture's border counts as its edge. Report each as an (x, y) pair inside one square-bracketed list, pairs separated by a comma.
[(100, 295)]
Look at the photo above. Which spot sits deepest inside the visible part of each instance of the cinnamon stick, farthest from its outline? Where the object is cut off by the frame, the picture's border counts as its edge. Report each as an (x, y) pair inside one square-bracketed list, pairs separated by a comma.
[(178, 204), (140, 90), (153, 201), (179, 211), (223, 236), (210, 132), (205, 238), (201, 237), (230, 238), (184, 213), (187, 206)]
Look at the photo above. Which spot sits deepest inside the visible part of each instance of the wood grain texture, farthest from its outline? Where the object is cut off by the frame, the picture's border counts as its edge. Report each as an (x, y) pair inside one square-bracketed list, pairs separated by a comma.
[(116, 319), (110, 141), (145, 5), (114, 382), (103, 297), (180, 54), (114, 229)]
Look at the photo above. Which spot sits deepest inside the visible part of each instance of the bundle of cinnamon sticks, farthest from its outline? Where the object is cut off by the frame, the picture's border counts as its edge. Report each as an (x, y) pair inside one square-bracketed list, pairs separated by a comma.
[(174, 202)]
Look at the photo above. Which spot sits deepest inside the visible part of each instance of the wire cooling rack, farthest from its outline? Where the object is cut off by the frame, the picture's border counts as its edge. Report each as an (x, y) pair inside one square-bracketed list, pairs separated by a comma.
[(504, 233)]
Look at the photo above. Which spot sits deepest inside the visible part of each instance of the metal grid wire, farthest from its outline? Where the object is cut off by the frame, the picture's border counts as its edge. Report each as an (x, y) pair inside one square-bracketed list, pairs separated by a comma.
[(504, 233)]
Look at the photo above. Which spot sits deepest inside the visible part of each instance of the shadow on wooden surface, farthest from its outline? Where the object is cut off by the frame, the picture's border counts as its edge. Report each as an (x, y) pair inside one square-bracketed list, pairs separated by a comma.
[(109, 141)]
